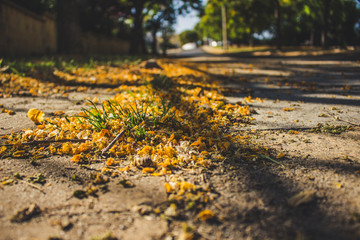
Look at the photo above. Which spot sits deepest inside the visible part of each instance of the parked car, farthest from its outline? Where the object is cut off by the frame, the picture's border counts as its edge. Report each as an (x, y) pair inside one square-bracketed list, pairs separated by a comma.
[(189, 46)]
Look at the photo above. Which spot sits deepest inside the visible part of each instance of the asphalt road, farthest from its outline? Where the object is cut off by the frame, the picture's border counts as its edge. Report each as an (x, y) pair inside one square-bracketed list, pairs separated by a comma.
[(198, 52)]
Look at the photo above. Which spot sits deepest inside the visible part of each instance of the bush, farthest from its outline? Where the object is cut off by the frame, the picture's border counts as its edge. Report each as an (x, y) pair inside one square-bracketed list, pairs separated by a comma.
[(188, 36)]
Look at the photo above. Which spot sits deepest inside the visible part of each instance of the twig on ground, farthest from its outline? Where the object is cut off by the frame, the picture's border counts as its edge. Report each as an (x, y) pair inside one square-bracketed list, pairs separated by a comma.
[(33, 185), (342, 120), (46, 141), (269, 158), (277, 129), (112, 142)]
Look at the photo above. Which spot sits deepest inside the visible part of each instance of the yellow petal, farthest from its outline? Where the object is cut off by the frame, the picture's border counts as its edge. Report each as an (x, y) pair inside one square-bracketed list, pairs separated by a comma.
[(36, 115), (76, 158), (205, 215), (19, 153), (111, 162), (168, 187), (148, 170), (127, 168), (2, 149)]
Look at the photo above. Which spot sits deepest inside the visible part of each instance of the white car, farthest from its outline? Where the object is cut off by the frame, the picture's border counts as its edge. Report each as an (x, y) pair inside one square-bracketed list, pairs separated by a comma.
[(189, 46)]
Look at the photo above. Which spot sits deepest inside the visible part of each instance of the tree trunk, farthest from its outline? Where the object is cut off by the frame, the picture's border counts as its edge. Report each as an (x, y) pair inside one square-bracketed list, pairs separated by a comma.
[(68, 27), (251, 38), (154, 41), (224, 30), (277, 15), (165, 41), (138, 41), (312, 38), (325, 21)]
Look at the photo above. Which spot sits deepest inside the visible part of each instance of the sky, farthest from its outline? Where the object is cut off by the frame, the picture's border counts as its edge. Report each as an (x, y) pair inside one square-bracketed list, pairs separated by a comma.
[(186, 22)]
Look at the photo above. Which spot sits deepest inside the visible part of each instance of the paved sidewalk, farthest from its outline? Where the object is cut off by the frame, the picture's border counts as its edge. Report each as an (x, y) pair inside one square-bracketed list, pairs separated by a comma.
[(298, 91)]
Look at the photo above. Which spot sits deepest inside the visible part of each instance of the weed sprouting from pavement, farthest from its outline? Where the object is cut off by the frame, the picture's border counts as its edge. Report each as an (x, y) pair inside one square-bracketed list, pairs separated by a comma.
[(333, 129), (134, 116), (96, 117)]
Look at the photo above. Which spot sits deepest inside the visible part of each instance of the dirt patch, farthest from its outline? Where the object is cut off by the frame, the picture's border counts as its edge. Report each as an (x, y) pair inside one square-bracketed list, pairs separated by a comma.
[(62, 214)]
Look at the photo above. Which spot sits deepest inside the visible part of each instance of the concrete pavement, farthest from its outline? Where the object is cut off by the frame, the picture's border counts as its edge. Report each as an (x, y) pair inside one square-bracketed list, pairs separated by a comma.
[(298, 89)]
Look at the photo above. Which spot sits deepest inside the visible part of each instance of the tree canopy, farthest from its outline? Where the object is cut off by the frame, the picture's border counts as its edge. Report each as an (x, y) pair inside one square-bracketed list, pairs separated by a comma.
[(139, 9), (188, 36), (119, 18), (279, 22), (285, 22)]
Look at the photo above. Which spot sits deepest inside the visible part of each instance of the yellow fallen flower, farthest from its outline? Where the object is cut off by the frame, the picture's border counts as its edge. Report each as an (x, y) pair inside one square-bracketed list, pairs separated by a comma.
[(36, 115), (76, 158), (148, 170), (124, 169), (168, 187), (111, 162), (19, 154), (2, 149), (66, 148), (206, 215), (280, 155)]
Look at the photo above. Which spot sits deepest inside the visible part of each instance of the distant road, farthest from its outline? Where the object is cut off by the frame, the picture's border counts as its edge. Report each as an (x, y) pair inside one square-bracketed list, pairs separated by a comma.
[(198, 52), (318, 55)]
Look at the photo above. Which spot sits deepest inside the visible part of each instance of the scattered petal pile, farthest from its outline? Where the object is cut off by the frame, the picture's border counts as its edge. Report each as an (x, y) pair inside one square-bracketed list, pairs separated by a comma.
[(164, 120)]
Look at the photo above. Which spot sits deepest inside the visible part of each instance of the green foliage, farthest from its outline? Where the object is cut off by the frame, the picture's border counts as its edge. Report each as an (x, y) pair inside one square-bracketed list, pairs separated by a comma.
[(134, 116), (165, 115), (39, 178), (80, 194), (24, 66), (145, 113), (332, 129), (99, 119), (188, 36), (210, 23), (300, 21), (243, 19), (162, 10)]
